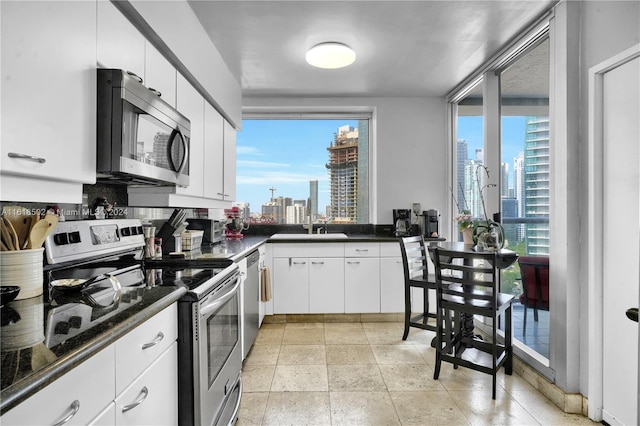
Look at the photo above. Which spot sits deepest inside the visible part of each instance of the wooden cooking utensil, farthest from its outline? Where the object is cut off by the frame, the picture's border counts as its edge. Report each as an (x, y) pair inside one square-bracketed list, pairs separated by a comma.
[(38, 234), (12, 233), (6, 236), (20, 218)]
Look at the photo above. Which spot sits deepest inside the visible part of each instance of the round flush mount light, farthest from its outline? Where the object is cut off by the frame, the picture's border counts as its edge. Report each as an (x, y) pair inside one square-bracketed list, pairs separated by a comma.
[(330, 55)]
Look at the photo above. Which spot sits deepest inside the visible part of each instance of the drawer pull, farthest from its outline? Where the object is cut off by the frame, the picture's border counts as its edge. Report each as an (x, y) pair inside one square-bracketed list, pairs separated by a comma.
[(317, 263), (365, 250), (144, 393), (155, 341), (352, 263), (75, 407), (27, 157)]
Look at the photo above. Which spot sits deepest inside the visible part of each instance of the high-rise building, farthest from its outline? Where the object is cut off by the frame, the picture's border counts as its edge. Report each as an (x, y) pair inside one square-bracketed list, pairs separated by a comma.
[(363, 171), (343, 171), (518, 182), (472, 188), (313, 196), (463, 157), (536, 184), (504, 179)]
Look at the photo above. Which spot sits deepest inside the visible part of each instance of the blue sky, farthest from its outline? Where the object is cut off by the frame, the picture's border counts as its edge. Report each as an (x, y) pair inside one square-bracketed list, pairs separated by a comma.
[(287, 154)]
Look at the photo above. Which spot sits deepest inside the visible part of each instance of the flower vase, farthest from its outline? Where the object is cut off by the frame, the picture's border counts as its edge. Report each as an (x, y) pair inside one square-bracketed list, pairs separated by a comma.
[(467, 235)]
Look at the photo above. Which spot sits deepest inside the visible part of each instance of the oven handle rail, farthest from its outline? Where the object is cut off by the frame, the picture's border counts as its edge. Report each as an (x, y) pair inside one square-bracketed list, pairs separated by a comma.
[(219, 301), (236, 407)]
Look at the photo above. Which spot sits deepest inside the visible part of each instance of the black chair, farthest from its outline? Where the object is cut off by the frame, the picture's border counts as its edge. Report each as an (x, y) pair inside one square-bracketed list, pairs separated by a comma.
[(416, 275), (534, 271), (468, 283)]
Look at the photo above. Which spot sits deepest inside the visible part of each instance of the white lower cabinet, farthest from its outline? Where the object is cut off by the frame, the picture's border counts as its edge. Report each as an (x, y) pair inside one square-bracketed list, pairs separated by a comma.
[(326, 285), (358, 277), (362, 285), (85, 391), (152, 398), (133, 381), (391, 278), (291, 285)]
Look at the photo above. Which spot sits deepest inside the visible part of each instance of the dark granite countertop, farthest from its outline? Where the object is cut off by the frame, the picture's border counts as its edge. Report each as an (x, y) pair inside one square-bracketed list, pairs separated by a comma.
[(27, 324)]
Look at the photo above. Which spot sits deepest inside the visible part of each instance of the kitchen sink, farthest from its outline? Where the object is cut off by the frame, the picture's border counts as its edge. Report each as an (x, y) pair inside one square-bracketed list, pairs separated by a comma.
[(336, 235)]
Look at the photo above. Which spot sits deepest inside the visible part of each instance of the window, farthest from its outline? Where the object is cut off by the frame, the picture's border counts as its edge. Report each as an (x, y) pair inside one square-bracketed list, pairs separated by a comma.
[(520, 156), (291, 171)]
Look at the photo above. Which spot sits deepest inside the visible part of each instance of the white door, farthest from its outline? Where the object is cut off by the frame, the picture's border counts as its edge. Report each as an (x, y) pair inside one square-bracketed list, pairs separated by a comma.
[(621, 251)]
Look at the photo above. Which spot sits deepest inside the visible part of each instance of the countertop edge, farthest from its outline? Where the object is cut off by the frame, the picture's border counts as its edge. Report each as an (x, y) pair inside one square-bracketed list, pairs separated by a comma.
[(40, 379)]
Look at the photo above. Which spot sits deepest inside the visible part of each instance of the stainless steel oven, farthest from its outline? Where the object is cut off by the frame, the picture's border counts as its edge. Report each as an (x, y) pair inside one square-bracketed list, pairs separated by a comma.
[(210, 357)]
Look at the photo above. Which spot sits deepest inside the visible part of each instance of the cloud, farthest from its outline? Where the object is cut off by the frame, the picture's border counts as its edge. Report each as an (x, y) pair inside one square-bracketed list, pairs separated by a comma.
[(260, 164), (248, 150), (277, 177)]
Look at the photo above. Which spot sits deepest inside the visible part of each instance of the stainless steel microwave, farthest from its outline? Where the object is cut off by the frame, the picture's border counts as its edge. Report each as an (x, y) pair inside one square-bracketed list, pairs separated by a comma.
[(142, 140)]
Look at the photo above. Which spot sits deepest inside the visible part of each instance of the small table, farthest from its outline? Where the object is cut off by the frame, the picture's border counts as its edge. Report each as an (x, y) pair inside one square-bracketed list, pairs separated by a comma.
[(504, 259)]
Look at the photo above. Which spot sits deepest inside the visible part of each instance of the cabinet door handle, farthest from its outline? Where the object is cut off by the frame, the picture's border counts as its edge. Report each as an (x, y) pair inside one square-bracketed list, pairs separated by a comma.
[(75, 407), (27, 157), (317, 263), (299, 263), (144, 393), (364, 250), (350, 262), (155, 341)]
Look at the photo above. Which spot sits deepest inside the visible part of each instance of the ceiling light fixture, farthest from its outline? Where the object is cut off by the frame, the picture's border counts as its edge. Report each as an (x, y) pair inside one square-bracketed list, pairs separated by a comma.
[(330, 55)]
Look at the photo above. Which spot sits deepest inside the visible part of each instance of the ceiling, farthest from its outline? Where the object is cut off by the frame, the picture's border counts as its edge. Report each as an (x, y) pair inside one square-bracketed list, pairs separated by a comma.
[(404, 48)]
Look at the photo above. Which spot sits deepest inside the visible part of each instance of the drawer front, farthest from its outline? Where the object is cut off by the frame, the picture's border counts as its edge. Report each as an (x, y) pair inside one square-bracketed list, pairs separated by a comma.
[(362, 250), (309, 250), (390, 250), (152, 399), (140, 347), (90, 385)]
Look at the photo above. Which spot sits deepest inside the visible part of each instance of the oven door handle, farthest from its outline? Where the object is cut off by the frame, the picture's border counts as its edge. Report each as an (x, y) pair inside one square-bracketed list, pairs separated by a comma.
[(219, 301)]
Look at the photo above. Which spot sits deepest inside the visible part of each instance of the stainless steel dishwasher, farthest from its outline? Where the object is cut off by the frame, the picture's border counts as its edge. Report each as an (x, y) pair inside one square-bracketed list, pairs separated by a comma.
[(251, 301)]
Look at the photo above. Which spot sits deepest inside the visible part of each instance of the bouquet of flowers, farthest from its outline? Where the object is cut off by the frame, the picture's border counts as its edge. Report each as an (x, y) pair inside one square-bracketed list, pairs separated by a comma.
[(464, 220)]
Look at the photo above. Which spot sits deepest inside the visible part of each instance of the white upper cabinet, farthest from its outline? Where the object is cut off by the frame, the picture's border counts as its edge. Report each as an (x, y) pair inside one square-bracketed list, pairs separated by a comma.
[(229, 162), (214, 149), (48, 100), (159, 74), (191, 104), (120, 44)]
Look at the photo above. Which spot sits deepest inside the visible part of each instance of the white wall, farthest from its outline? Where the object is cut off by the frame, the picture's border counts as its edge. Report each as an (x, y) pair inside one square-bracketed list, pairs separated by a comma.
[(605, 29), (410, 149)]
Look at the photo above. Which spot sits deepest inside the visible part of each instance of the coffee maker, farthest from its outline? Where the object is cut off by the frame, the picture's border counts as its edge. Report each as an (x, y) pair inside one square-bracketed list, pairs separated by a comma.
[(430, 222), (402, 222)]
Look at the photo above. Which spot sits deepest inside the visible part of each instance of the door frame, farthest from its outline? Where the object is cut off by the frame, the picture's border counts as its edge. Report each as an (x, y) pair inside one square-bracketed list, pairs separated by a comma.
[(596, 224)]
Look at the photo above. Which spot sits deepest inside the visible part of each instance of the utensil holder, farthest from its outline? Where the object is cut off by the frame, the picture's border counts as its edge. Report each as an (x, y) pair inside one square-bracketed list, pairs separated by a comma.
[(23, 268)]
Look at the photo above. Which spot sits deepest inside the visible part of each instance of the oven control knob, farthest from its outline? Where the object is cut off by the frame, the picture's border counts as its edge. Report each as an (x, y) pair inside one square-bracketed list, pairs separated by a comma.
[(125, 232), (62, 328), (75, 321), (61, 239), (74, 237), (139, 230), (126, 298)]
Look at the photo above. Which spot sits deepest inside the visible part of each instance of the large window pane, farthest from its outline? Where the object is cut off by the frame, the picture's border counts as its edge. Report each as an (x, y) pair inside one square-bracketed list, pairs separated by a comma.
[(525, 186), (290, 171)]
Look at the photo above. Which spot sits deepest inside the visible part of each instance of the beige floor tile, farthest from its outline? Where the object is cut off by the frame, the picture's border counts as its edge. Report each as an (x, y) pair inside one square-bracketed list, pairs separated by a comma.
[(362, 408), (427, 408), (390, 325), (302, 378), (351, 378), (302, 336), (304, 326), (262, 355), (409, 377), (419, 336), (386, 336), (355, 336), (302, 354), (545, 412), (298, 408), (350, 354), (257, 378), (252, 406), (428, 353), (397, 354), (480, 409), (270, 334)]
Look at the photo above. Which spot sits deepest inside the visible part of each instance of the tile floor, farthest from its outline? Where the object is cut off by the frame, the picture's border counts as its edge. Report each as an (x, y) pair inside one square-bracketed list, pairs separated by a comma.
[(364, 374)]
